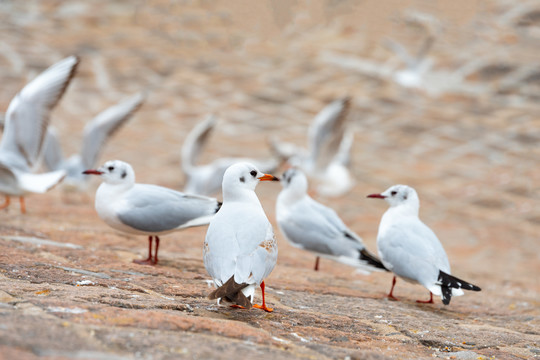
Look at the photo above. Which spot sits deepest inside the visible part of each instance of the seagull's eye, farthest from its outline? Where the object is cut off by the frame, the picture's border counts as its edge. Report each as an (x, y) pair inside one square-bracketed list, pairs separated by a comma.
[(253, 173), (111, 168), (393, 193)]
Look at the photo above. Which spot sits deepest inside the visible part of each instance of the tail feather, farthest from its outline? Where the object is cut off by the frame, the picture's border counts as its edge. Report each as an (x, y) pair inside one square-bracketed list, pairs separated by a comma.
[(371, 259), (449, 282), (231, 291)]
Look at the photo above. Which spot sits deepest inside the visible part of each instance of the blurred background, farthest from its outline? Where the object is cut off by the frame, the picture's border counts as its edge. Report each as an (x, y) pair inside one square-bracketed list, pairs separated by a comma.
[(445, 98)]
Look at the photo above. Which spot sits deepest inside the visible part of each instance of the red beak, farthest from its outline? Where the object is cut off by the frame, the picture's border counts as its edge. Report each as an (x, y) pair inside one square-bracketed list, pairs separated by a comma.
[(377, 196), (92, 172), (268, 177)]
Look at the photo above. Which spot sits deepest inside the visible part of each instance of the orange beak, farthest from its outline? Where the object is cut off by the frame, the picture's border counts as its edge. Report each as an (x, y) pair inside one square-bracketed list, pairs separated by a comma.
[(268, 177)]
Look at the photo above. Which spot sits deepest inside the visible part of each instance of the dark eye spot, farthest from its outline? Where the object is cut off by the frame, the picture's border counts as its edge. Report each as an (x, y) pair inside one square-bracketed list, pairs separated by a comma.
[(393, 193), (124, 174), (405, 197), (253, 173), (242, 179), (111, 168)]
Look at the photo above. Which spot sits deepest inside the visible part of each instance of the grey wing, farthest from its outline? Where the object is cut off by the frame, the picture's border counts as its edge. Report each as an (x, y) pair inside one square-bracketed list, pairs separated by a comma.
[(195, 141), (413, 252), (317, 228), (343, 156), (104, 125), (156, 209), (52, 151), (326, 132), (28, 113)]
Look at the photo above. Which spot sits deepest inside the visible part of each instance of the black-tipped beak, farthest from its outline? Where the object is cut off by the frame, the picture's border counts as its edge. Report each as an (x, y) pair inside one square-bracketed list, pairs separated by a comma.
[(92, 172), (376, 196), (268, 177)]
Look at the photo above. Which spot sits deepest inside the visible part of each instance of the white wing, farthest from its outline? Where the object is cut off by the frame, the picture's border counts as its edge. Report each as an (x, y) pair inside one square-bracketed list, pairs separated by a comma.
[(52, 151), (104, 125), (195, 141), (28, 113), (326, 132)]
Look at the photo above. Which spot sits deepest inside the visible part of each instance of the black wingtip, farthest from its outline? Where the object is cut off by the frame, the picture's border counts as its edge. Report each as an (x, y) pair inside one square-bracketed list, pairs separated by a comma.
[(449, 282), (219, 203), (371, 259), (231, 291)]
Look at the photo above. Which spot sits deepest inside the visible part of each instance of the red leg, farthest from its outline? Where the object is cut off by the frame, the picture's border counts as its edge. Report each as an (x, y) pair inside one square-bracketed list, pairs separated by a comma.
[(6, 203), (263, 306), (23, 206), (430, 301), (391, 294), (147, 261), (317, 264), (157, 248)]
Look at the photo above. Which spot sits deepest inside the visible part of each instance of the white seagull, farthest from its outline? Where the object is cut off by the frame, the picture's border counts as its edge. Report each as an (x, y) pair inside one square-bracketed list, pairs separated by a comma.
[(144, 209), (327, 154), (96, 134), (206, 179), (411, 250), (309, 225), (240, 249), (26, 122)]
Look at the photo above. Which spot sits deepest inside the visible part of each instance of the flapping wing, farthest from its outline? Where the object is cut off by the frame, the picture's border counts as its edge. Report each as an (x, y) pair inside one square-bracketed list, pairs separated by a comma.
[(195, 141), (28, 113), (156, 209), (326, 132), (52, 151), (104, 125)]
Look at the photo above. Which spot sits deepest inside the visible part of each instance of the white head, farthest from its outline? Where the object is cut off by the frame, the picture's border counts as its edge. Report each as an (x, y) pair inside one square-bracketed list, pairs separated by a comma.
[(242, 177), (114, 172), (399, 195), (294, 180)]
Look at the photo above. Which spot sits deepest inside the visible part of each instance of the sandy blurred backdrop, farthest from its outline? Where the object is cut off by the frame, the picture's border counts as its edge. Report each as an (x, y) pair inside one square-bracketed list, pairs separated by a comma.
[(467, 138)]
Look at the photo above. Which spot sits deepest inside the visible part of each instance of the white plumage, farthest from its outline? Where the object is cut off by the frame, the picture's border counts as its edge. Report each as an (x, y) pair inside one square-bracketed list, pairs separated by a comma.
[(411, 250), (240, 248)]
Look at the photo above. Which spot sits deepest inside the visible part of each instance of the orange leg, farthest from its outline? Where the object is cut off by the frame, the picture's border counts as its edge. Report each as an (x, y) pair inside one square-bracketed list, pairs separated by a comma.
[(23, 206), (317, 264), (237, 306), (6, 203), (430, 301), (148, 261), (263, 306), (391, 294)]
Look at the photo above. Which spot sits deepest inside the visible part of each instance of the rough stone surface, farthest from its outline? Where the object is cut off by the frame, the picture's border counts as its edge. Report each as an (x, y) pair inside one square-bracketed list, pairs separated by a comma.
[(469, 143)]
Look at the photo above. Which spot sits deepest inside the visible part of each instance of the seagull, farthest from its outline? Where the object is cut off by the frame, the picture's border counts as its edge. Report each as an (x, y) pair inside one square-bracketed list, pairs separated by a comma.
[(25, 124), (96, 134), (328, 146), (144, 209), (310, 225), (207, 179), (240, 249), (411, 250)]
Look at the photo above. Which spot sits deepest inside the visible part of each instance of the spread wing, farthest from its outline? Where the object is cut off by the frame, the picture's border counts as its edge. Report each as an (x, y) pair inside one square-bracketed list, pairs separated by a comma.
[(104, 125), (28, 113), (326, 132), (195, 141)]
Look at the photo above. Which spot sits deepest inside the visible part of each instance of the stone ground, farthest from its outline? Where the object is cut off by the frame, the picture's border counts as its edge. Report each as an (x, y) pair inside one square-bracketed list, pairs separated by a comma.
[(467, 141)]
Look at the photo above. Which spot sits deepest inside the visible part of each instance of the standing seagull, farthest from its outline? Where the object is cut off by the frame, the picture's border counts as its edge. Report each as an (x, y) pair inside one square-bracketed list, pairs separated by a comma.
[(411, 250), (240, 249), (26, 122), (311, 226), (146, 209), (96, 134)]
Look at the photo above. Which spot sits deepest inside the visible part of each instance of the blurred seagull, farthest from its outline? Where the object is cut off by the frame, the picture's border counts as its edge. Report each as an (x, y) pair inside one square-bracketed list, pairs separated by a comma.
[(207, 179), (26, 122), (240, 249), (328, 149), (411, 250), (143, 209), (96, 133), (311, 226)]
